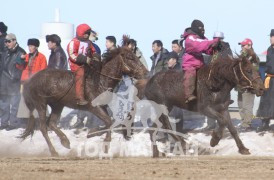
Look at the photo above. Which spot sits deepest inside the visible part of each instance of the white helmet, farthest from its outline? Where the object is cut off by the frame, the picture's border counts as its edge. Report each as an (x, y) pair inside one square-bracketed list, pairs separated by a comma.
[(218, 34)]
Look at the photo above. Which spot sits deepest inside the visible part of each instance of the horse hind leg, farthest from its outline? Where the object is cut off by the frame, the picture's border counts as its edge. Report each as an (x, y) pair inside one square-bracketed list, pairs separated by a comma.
[(54, 117), (44, 130)]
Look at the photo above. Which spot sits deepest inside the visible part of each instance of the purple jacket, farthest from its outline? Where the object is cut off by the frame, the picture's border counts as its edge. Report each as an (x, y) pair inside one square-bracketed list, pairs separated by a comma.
[(194, 47)]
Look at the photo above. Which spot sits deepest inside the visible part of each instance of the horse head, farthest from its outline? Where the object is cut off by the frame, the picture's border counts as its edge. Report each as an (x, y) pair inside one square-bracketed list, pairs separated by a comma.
[(246, 72), (131, 64)]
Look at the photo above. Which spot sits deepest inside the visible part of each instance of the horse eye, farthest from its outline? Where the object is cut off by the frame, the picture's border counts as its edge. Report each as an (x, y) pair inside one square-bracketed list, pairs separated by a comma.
[(249, 71)]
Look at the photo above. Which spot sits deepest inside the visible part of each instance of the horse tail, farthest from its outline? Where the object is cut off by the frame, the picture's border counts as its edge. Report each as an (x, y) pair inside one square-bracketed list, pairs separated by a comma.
[(30, 127), (30, 104), (140, 85)]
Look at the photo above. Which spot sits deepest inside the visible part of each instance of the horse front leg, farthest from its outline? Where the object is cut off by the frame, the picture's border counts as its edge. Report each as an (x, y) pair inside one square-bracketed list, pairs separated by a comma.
[(242, 149), (217, 134), (102, 114)]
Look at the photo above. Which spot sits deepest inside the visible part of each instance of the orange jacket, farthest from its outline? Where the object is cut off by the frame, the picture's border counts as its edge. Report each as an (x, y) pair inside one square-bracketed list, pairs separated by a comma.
[(38, 63)]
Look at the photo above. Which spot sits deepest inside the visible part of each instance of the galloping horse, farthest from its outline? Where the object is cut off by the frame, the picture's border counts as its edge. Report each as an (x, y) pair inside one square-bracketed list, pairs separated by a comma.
[(56, 88), (213, 86)]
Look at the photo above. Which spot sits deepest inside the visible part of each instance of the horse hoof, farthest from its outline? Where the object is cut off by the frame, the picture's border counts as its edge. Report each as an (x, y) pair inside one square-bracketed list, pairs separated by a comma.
[(244, 151), (54, 154), (66, 143), (127, 138), (214, 142)]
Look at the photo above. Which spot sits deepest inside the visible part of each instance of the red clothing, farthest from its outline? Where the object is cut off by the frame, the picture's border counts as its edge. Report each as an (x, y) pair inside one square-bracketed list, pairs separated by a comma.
[(38, 63), (78, 46)]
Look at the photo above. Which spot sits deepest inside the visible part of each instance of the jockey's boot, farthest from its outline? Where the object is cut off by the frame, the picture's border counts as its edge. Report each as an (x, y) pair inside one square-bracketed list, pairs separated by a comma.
[(79, 84), (189, 85)]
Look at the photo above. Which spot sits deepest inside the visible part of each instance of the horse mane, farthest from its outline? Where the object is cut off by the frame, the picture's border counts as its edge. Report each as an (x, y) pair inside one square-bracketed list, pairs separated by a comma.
[(125, 40)]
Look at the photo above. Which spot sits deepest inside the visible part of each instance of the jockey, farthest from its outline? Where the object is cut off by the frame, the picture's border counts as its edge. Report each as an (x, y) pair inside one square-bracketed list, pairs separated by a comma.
[(195, 44), (80, 51)]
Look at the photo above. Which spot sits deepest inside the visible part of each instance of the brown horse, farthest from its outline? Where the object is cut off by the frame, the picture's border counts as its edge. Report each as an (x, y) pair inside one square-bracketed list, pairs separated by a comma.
[(56, 88), (214, 83)]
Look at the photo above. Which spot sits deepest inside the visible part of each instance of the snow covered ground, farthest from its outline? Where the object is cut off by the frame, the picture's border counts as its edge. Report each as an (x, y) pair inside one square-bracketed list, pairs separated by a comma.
[(139, 145)]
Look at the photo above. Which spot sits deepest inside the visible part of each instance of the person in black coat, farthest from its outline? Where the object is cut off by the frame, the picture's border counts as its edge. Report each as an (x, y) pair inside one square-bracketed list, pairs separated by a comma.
[(266, 107), (3, 33), (173, 62), (57, 58), (11, 59)]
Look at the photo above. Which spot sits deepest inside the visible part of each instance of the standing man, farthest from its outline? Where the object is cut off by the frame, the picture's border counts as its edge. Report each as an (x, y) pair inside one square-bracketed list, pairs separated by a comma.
[(176, 47), (110, 45), (57, 58), (3, 33), (80, 51), (246, 98), (172, 62), (159, 57), (266, 107), (35, 62), (11, 59)]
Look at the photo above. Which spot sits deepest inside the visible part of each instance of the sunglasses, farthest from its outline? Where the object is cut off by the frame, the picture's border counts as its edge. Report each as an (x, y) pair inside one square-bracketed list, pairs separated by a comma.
[(8, 40)]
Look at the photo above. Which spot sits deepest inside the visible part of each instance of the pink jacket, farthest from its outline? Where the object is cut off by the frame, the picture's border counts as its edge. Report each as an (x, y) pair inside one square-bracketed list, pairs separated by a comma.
[(194, 47)]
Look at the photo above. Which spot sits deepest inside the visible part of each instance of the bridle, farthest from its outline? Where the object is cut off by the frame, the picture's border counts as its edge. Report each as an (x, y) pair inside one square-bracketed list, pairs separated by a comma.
[(135, 70), (244, 76)]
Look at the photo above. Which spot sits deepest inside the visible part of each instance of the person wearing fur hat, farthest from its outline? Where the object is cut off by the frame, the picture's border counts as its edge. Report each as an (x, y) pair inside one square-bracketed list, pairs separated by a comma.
[(35, 61), (57, 58), (195, 44), (3, 33)]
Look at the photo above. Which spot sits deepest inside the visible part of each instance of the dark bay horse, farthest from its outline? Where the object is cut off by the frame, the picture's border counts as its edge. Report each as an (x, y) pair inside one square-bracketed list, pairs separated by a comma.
[(56, 88), (213, 86)]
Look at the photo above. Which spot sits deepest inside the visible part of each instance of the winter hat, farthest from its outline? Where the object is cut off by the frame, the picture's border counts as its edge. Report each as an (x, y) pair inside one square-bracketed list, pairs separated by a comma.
[(173, 55), (34, 42), (10, 36), (197, 26), (272, 32), (3, 27), (53, 38)]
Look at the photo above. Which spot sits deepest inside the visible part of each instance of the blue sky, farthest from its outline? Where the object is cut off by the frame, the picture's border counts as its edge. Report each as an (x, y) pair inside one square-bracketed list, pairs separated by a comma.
[(146, 20)]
